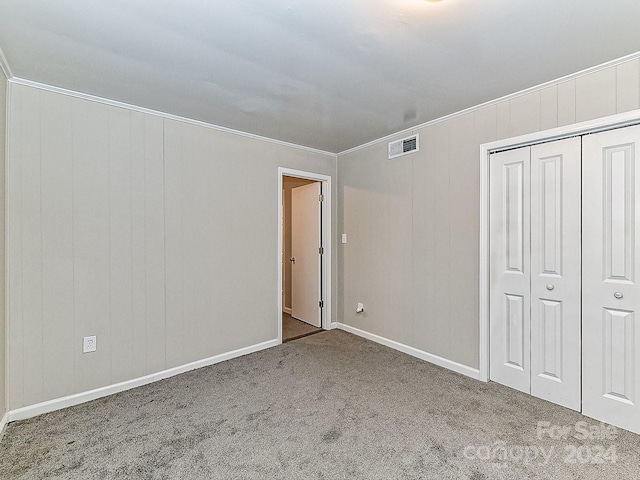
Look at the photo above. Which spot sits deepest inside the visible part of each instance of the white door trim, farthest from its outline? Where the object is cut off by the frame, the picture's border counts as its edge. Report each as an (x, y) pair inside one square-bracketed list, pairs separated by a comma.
[(591, 126), (326, 243)]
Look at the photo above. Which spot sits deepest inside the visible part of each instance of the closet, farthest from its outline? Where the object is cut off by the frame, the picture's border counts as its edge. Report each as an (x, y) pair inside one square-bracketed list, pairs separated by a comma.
[(564, 239)]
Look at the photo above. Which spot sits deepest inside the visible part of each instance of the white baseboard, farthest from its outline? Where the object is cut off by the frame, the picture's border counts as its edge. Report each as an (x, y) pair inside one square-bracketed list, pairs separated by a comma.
[(78, 398), (414, 352), (3, 424), (286, 310)]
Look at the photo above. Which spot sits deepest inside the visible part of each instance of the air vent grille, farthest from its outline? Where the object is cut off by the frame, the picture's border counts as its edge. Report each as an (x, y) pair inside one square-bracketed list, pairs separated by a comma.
[(403, 146)]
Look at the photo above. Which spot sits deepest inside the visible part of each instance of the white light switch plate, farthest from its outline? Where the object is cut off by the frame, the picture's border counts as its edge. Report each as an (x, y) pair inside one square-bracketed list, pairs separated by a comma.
[(89, 344), (344, 238)]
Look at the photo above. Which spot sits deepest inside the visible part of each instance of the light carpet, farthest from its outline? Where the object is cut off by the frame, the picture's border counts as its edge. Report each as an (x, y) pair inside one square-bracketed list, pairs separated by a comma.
[(327, 406)]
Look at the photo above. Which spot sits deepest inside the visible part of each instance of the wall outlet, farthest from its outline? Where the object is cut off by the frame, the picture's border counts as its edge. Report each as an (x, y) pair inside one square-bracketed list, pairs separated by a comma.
[(359, 308), (344, 238), (89, 344)]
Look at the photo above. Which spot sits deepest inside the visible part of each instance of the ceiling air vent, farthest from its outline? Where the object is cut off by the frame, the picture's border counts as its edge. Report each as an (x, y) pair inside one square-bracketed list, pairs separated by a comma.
[(404, 146)]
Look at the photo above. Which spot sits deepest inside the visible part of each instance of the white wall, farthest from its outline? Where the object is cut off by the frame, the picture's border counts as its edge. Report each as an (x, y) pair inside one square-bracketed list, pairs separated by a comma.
[(158, 236), (413, 222)]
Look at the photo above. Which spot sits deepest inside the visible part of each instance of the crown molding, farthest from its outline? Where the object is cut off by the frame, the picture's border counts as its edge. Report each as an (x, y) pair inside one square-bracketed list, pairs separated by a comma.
[(4, 66), (386, 138), (169, 116), (511, 96)]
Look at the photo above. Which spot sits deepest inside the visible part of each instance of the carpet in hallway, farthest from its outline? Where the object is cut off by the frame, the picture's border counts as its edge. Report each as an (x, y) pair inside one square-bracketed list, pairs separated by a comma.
[(293, 328)]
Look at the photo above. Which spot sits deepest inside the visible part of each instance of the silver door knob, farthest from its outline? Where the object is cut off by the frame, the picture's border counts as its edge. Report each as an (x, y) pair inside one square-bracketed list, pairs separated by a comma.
[(618, 295), (292, 259), (550, 287)]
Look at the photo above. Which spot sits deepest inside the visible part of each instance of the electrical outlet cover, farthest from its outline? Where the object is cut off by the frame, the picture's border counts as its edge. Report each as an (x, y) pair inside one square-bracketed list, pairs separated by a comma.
[(89, 344)]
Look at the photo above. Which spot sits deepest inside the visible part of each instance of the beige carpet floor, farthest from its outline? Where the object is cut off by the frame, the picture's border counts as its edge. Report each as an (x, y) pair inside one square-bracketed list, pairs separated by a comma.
[(326, 406)]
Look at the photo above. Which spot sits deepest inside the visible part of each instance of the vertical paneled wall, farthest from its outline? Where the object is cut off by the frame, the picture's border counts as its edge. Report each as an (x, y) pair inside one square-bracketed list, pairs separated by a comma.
[(413, 222), (157, 236), (3, 131)]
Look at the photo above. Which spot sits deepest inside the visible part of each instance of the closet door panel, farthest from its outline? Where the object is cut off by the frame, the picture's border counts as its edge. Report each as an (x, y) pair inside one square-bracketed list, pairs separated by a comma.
[(555, 272), (510, 268), (611, 296)]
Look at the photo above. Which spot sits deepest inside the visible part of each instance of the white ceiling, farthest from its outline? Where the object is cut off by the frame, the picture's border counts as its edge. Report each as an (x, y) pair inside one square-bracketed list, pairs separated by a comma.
[(330, 74)]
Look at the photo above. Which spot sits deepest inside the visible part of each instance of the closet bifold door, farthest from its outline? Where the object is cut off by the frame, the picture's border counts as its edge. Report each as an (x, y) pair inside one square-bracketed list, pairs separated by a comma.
[(611, 264), (510, 289), (555, 272)]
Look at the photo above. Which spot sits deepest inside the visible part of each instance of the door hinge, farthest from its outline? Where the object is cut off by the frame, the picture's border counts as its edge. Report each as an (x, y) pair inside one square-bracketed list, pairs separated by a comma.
[(321, 304), (321, 250), (321, 198)]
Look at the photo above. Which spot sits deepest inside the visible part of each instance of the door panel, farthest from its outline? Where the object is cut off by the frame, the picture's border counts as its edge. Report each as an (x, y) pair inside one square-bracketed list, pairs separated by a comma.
[(550, 348), (555, 272), (618, 213), (618, 362), (514, 326), (305, 244), (611, 296), (510, 272)]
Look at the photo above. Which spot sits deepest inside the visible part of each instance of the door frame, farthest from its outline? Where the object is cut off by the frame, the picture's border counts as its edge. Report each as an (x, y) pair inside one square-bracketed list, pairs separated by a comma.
[(325, 284), (486, 149)]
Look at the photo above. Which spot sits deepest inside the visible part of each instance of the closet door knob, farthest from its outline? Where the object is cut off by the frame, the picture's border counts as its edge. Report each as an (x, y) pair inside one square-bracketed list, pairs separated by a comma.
[(550, 287), (618, 295)]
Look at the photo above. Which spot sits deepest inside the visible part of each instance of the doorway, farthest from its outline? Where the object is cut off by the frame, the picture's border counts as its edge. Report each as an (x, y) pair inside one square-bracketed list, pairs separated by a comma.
[(304, 253)]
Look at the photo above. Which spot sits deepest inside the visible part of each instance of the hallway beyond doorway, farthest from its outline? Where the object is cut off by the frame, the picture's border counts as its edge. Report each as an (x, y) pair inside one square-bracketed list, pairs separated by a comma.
[(293, 328)]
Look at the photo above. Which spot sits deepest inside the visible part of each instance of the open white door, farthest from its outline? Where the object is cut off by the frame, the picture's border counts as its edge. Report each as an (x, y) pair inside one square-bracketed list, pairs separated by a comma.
[(305, 253), (611, 264)]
